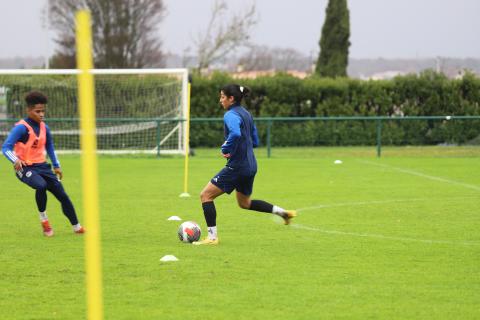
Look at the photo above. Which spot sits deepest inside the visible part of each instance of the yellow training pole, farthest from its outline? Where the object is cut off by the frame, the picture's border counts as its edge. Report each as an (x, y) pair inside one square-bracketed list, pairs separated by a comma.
[(86, 97), (185, 193)]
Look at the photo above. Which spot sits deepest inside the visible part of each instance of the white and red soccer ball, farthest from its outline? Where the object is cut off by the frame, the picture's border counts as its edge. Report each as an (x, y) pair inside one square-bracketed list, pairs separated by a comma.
[(189, 232)]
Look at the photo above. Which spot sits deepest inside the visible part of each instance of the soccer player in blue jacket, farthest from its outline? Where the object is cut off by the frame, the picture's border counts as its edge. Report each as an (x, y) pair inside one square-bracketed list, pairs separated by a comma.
[(25, 147), (239, 173)]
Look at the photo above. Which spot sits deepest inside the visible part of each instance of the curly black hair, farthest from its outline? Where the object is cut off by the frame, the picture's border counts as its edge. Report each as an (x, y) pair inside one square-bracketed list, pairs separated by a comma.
[(35, 97)]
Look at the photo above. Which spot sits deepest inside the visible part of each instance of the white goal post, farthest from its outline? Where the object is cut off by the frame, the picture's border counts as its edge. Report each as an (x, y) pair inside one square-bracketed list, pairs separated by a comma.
[(137, 110)]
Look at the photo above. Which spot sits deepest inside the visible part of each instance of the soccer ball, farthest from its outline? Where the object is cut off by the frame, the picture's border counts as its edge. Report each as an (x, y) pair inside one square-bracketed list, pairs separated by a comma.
[(189, 231)]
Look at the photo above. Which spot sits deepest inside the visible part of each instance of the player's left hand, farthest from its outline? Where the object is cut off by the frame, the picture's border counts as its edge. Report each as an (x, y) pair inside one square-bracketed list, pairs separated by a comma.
[(58, 173), (226, 155)]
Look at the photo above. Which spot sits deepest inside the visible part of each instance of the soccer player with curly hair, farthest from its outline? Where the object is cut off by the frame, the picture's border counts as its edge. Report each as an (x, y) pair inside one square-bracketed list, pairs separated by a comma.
[(25, 147)]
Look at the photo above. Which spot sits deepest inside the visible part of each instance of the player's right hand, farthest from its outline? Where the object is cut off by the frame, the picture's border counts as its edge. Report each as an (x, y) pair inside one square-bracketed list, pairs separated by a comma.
[(19, 164), (58, 173)]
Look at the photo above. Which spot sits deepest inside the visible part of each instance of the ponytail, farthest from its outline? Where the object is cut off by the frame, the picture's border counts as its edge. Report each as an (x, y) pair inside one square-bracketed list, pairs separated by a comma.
[(236, 91)]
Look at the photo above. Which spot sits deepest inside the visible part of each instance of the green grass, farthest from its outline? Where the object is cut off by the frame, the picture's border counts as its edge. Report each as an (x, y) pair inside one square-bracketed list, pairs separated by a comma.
[(390, 238)]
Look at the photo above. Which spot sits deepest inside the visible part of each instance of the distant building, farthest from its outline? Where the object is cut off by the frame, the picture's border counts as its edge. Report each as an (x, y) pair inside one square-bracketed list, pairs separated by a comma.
[(386, 75)]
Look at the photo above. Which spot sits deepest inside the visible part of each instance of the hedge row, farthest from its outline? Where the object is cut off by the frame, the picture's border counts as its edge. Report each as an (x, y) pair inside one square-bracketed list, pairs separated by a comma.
[(427, 94)]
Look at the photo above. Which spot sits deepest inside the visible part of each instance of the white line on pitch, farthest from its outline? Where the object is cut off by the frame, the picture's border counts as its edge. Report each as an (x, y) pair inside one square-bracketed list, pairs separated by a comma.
[(366, 203), (379, 236), (419, 174)]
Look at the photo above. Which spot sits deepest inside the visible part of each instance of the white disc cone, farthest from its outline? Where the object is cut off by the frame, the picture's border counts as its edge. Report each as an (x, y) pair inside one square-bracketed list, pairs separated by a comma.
[(169, 258)]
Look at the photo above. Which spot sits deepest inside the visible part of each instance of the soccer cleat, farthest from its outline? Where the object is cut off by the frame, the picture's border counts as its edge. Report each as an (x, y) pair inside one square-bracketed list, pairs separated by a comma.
[(289, 214), (205, 241), (47, 230), (79, 231)]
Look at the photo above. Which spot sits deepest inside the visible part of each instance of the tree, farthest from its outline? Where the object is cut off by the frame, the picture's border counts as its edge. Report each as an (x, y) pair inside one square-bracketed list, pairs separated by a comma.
[(256, 59), (123, 32), (261, 58), (220, 39), (334, 43)]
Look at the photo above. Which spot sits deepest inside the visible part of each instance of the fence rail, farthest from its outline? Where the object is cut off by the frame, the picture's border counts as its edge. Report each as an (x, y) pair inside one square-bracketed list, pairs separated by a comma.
[(379, 121), (269, 123)]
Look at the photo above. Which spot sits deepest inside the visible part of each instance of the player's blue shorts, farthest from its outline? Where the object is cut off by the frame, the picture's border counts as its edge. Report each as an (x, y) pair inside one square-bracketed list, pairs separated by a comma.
[(39, 176), (229, 179)]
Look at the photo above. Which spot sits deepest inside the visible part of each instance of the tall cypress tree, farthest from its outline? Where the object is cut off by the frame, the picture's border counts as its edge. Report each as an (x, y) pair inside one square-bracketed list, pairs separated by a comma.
[(334, 43)]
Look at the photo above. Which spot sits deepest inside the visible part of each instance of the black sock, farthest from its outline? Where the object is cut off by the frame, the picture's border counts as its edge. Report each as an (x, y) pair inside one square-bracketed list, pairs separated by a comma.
[(262, 206), (210, 213)]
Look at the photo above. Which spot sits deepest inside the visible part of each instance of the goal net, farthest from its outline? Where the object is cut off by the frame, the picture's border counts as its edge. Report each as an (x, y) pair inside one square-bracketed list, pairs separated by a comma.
[(137, 110)]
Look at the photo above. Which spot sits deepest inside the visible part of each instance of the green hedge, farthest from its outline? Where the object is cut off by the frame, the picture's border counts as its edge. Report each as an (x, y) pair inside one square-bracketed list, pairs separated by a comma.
[(427, 94)]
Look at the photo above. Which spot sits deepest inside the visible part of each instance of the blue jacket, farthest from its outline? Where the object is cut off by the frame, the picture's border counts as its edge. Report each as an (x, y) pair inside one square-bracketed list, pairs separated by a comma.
[(240, 139), (20, 133)]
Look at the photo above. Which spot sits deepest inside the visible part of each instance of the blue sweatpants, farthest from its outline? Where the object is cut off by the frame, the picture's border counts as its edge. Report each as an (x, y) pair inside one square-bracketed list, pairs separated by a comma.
[(41, 178)]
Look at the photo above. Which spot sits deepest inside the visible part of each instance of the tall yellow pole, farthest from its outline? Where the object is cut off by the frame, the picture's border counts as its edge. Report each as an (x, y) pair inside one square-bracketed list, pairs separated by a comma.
[(185, 193), (86, 97)]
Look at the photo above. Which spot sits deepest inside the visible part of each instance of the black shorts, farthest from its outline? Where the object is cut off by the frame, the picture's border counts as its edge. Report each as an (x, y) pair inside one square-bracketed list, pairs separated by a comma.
[(229, 179)]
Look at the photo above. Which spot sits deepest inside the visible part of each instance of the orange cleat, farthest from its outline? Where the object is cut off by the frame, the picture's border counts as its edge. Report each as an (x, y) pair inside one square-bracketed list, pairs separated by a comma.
[(80, 231), (289, 214), (206, 241), (47, 230)]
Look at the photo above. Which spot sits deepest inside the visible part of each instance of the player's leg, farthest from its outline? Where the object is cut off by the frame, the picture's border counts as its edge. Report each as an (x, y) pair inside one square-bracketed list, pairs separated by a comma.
[(244, 191), (222, 182), (208, 194), (262, 206), (31, 177), (56, 188)]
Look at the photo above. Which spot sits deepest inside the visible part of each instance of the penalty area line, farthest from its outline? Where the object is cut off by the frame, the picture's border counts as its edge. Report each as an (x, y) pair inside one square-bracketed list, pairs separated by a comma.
[(379, 236), (383, 237), (419, 174), (374, 202)]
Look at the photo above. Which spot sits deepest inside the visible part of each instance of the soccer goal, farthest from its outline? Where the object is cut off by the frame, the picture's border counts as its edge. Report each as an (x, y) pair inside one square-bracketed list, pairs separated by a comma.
[(137, 110)]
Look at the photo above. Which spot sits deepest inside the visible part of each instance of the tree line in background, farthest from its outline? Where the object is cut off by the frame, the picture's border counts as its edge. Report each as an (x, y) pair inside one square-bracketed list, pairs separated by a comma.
[(125, 36)]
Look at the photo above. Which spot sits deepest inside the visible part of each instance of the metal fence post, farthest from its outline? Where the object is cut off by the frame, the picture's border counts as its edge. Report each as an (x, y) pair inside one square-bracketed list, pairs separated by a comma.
[(379, 138), (158, 138), (269, 127)]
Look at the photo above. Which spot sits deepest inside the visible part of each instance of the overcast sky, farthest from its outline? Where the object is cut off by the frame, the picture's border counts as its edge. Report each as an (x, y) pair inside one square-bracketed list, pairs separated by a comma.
[(379, 28)]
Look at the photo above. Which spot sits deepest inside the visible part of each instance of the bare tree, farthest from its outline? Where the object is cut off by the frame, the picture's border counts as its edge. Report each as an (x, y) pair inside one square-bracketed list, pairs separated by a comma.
[(288, 59), (263, 58), (258, 58), (219, 39), (123, 32)]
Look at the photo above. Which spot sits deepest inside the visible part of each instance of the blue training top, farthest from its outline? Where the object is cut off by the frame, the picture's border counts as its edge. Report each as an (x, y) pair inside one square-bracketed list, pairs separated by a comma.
[(20, 133), (240, 139)]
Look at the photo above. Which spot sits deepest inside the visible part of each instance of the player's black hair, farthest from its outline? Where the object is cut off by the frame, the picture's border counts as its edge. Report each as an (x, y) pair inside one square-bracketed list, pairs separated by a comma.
[(35, 97), (236, 91)]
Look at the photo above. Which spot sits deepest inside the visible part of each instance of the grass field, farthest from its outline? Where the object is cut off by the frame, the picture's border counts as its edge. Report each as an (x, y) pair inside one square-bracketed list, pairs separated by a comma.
[(390, 238)]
